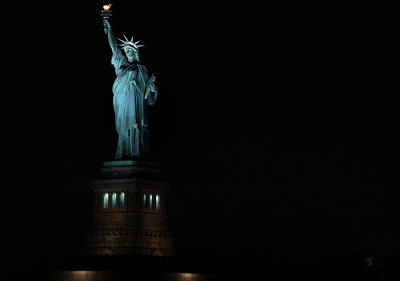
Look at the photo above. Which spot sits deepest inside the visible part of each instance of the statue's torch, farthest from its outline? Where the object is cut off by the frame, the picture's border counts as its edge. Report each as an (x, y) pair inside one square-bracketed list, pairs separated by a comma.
[(106, 13)]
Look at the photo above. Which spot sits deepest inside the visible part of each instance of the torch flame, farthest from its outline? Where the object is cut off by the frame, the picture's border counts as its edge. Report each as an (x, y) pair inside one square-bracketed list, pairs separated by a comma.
[(106, 7)]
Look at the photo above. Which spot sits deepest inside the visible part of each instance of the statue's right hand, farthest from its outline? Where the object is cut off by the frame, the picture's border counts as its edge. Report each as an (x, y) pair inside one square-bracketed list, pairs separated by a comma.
[(107, 25)]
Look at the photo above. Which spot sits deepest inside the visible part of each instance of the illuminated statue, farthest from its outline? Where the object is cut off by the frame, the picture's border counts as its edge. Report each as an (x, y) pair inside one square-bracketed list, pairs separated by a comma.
[(133, 92)]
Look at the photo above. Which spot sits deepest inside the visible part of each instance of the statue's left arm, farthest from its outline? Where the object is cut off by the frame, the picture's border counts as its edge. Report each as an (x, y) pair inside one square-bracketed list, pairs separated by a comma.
[(151, 91)]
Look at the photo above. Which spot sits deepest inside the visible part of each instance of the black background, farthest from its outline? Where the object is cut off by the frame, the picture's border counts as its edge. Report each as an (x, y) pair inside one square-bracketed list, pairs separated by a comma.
[(277, 125)]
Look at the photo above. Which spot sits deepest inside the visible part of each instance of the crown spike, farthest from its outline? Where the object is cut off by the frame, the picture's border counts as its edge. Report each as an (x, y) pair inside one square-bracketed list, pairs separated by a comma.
[(125, 38)]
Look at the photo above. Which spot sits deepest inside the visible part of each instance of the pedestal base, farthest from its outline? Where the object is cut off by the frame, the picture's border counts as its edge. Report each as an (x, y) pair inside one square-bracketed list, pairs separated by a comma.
[(130, 211)]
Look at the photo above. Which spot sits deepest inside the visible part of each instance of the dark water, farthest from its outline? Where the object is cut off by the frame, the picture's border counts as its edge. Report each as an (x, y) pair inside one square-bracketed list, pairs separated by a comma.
[(86, 275)]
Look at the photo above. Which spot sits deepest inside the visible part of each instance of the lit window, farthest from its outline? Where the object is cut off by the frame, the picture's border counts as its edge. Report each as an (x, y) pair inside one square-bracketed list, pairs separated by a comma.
[(157, 202), (151, 201), (121, 200), (114, 200), (144, 201), (105, 201)]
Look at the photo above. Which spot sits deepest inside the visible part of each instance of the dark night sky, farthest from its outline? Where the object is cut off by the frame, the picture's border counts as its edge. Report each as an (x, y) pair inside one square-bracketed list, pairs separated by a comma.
[(277, 126)]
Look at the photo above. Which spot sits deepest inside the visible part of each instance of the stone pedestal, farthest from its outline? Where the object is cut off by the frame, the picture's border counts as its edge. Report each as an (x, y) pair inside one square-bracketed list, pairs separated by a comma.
[(130, 211)]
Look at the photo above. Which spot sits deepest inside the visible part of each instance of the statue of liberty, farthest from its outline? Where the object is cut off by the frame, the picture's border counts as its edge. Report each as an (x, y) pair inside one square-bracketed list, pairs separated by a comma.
[(133, 91)]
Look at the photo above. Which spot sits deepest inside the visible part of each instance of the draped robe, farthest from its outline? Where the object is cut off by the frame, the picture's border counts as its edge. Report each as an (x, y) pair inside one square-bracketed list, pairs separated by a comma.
[(130, 106)]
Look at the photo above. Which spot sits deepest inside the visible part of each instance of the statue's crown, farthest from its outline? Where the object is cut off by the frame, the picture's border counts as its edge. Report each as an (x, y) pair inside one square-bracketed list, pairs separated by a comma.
[(129, 43)]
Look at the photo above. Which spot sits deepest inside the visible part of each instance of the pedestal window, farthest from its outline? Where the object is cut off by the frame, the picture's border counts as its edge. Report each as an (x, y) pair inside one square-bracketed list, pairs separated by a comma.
[(114, 200), (157, 202), (144, 200), (151, 201), (121, 200), (105, 200)]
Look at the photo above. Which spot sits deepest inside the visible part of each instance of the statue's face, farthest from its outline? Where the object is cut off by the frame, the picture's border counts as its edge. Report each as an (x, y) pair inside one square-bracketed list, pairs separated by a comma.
[(130, 52)]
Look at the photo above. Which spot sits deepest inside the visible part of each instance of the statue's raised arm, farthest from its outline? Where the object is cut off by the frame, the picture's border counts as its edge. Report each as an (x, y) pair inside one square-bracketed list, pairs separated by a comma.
[(110, 34)]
